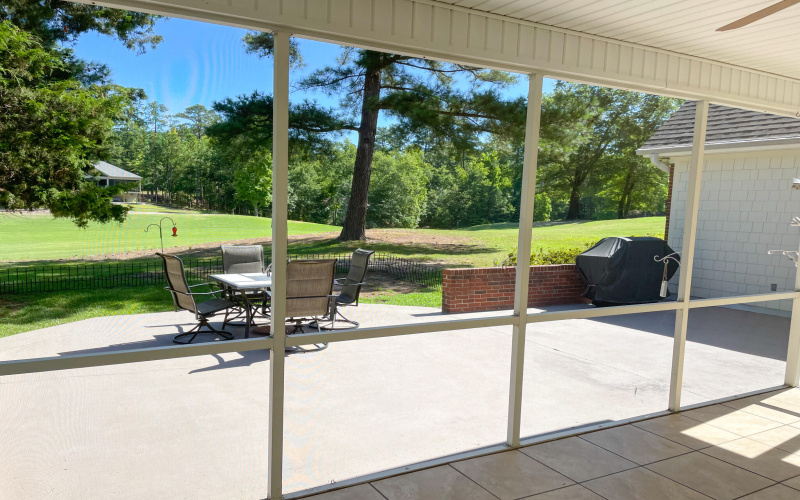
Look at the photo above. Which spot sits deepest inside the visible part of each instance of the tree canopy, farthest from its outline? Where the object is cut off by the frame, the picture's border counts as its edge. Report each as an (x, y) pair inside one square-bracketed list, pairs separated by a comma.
[(53, 128), (59, 111), (62, 21), (420, 93), (589, 139), (450, 157)]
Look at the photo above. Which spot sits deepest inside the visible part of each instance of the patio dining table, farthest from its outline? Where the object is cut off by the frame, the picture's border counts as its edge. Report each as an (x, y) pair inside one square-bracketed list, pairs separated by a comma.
[(240, 284)]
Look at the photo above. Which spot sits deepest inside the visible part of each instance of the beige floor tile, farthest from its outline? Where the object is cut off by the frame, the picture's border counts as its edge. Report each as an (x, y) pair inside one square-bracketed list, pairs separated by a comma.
[(640, 484), (360, 492), (576, 492), (793, 482), (438, 483), (736, 421), (511, 475), (791, 396), (760, 458), (768, 407), (786, 438), (710, 476), (635, 444), (687, 431), (777, 492), (578, 459)]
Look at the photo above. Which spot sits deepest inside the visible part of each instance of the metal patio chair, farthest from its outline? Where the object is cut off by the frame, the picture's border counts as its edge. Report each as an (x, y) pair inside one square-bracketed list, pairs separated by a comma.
[(350, 290), (183, 299), (239, 259), (309, 284)]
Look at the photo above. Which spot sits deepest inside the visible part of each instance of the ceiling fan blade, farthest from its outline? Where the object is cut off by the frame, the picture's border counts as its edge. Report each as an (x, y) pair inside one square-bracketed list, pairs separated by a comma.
[(755, 16)]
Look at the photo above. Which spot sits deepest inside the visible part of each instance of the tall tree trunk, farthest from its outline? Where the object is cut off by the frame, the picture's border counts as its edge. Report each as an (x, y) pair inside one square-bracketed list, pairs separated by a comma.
[(621, 206), (624, 207), (255, 210), (574, 201), (355, 222), (629, 200)]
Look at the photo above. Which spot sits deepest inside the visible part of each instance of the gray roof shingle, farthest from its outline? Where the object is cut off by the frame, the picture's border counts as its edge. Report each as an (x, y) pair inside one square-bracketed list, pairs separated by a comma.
[(724, 125), (109, 170)]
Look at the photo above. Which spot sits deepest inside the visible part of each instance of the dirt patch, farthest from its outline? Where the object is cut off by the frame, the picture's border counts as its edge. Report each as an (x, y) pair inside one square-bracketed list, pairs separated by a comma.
[(418, 241), (381, 283), (9, 306), (416, 237)]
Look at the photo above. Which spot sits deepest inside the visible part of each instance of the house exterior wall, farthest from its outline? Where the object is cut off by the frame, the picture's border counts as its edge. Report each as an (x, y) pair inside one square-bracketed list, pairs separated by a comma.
[(746, 203), (129, 197)]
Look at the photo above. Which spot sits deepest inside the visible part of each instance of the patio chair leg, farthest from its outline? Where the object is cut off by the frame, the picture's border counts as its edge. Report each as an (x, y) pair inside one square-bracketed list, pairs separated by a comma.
[(346, 320), (227, 320), (197, 330), (239, 314)]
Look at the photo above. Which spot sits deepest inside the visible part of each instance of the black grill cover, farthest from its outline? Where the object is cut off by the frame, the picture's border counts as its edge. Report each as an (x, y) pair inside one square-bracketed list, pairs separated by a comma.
[(622, 270)]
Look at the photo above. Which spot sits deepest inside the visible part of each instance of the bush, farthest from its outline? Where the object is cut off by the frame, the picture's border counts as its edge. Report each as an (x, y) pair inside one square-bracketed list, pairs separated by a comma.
[(541, 257)]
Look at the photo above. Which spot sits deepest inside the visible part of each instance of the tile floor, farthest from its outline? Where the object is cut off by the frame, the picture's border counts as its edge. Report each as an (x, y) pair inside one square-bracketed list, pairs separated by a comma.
[(746, 449)]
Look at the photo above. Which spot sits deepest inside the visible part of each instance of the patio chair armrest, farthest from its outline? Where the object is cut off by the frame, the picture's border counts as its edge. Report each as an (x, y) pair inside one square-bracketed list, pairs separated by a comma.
[(210, 286), (339, 282), (189, 294), (213, 292)]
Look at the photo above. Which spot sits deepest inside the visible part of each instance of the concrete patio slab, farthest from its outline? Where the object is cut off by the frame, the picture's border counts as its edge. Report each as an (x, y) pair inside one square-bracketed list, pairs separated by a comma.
[(355, 408)]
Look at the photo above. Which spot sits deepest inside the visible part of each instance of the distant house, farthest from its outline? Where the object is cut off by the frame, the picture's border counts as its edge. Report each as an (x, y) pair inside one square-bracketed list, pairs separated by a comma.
[(111, 175), (746, 200)]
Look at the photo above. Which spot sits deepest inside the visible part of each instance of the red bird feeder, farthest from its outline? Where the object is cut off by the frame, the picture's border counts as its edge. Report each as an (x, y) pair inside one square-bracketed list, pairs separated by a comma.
[(160, 232)]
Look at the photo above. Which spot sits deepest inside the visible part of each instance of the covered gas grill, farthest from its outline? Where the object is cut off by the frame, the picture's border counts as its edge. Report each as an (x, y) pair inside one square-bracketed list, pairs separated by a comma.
[(619, 271)]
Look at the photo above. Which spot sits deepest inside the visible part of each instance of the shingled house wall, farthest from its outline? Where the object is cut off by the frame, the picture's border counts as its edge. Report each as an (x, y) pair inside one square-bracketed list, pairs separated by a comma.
[(492, 288), (746, 203)]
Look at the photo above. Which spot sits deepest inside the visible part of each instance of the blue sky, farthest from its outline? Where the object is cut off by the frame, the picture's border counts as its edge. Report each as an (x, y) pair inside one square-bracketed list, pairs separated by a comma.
[(199, 63)]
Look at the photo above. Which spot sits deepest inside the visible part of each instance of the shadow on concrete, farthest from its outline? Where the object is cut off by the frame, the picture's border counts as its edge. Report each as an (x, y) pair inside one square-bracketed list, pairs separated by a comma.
[(763, 335), (165, 340)]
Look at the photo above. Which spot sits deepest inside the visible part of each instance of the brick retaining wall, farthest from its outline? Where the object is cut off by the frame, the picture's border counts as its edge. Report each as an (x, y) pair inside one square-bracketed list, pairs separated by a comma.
[(492, 288)]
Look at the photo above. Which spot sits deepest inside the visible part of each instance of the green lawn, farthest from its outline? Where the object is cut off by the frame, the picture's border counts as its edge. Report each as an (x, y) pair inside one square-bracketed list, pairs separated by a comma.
[(28, 237), (481, 246), (34, 311), (148, 208), (22, 313), (41, 237)]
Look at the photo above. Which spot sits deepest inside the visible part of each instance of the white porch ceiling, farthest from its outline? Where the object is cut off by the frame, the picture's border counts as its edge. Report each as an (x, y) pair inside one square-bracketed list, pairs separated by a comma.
[(664, 47), (685, 26)]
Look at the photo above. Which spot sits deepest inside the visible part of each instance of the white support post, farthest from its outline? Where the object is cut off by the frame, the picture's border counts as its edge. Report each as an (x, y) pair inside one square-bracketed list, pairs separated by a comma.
[(524, 257), (687, 253), (793, 352), (280, 234)]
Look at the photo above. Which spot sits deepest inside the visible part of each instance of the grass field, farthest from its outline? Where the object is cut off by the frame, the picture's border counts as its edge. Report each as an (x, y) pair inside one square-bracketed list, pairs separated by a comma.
[(41, 310), (481, 246), (38, 237), (26, 237)]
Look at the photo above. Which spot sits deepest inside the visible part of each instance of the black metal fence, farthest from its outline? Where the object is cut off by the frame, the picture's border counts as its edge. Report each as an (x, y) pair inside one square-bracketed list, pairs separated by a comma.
[(60, 277)]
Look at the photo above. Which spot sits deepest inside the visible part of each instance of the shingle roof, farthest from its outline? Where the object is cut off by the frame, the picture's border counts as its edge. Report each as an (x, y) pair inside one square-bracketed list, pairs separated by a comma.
[(113, 171), (725, 125)]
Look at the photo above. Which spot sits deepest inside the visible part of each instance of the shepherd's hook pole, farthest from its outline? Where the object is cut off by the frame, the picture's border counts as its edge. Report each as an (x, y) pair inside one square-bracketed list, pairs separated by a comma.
[(160, 234)]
